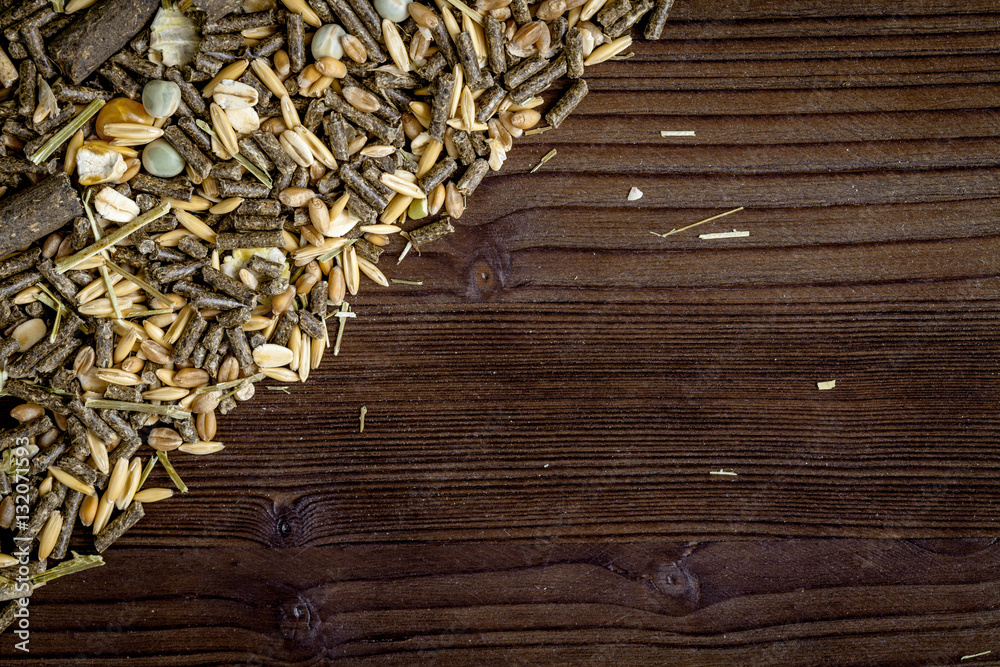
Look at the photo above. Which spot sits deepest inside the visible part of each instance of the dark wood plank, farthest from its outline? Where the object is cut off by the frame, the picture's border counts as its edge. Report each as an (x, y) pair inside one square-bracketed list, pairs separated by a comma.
[(533, 484), (801, 602)]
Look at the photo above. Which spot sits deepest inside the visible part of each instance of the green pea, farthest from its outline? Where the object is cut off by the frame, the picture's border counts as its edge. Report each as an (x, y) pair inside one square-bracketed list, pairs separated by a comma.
[(326, 42), (161, 98), (394, 10), (161, 159), (418, 209)]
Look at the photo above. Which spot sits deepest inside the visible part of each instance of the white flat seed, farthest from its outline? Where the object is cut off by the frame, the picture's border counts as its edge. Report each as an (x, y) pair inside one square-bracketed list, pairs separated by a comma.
[(95, 165), (244, 121), (115, 206), (270, 355), (231, 94), (634, 194)]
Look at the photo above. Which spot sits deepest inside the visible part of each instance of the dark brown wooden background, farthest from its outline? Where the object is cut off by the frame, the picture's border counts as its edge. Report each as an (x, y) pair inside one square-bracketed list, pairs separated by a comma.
[(533, 483)]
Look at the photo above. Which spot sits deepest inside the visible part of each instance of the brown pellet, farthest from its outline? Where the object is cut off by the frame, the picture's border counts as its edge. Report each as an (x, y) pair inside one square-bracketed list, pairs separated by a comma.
[(612, 11), (574, 53), (66, 92), (489, 102), (431, 232), (336, 132), (245, 189), (265, 267), (519, 12), (203, 141), (353, 25), (120, 80), (524, 70), (192, 332), (444, 42), (311, 325), (472, 177), (177, 188), (658, 19), (250, 149), (141, 66), (438, 174), (256, 223), (114, 530), (191, 246), (363, 120), (463, 147), (27, 90), (239, 22), (475, 78), (569, 101), (372, 195), (368, 16), (70, 508), (63, 285), (441, 107), (540, 81), (295, 33), (434, 67), (227, 285), (496, 46), (194, 157), (114, 419), (639, 9), (259, 207), (241, 350), (90, 420)]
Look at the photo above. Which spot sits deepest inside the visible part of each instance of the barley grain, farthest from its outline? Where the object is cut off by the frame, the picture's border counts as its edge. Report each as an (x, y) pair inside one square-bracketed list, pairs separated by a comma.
[(153, 495), (47, 538), (131, 484), (71, 481)]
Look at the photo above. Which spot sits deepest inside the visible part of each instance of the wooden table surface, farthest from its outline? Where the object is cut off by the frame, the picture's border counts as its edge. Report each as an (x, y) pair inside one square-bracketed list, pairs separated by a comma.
[(533, 485)]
